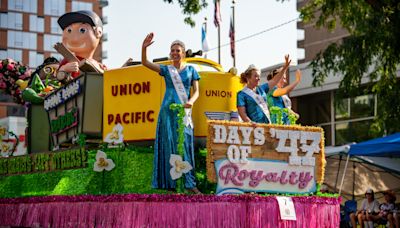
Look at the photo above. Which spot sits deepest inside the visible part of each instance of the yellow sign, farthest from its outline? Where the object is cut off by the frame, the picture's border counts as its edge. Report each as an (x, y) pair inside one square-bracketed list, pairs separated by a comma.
[(133, 96)]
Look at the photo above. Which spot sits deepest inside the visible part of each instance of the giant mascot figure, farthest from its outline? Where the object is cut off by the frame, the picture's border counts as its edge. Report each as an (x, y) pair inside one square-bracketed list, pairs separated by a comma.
[(82, 31)]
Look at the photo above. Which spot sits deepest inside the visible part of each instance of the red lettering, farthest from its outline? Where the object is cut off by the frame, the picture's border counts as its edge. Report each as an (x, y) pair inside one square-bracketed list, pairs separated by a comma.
[(137, 88), (126, 114), (130, 89), (114, 90), (110, 118), (137, 117), (117, 119), (122, 89), (146, 87), (149, 118)]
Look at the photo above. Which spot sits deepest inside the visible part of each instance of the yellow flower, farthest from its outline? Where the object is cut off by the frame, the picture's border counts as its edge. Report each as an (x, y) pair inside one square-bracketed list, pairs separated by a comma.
[(3, 131), (5, 147)]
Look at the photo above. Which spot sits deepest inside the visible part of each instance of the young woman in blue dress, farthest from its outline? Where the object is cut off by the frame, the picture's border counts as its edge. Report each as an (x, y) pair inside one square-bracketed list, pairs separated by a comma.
[(277, 96), (252, 99), (179, 78)]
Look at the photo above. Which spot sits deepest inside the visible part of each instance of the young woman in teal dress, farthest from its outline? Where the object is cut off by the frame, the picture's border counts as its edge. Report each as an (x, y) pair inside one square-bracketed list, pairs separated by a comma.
[(166, 135), (277, 96), (252, 100)]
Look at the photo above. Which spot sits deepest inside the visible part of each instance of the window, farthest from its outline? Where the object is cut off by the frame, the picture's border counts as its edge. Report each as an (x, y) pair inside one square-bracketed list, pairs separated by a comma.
[(49, 41), (351, 117), (11, 20), (36, 24), (12, 54), (25, 40), (77, 5), (356, 131), (357, 107), (29, 6), (54, 27), (35, 59), (54, 7)]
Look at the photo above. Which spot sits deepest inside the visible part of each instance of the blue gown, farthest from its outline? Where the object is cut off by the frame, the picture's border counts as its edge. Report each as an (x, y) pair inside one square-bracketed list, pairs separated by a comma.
[(167, 135), (253, 111), (278, 102)]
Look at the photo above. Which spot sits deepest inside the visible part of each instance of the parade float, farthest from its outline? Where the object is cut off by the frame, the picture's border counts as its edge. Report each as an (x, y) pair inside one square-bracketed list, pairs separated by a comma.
[(89, 162)]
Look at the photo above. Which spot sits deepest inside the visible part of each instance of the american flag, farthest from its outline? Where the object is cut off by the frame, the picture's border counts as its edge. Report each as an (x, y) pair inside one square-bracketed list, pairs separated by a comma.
[(232, 36), (217, 13)]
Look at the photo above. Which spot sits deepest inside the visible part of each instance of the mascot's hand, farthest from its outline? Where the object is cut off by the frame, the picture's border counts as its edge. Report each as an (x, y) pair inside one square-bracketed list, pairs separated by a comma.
[(70, 67)]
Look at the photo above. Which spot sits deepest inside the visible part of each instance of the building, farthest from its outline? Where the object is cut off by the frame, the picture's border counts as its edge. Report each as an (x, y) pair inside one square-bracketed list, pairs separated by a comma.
[(312, 40), (344, 120), (28, 31), (29, 28)]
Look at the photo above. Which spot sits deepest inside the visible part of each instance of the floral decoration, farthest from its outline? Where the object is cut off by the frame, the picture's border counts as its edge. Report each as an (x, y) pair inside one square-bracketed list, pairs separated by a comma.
[(178, 167), (7, 144), (180, 111), (10, 72), (102, 163), (116, 136)]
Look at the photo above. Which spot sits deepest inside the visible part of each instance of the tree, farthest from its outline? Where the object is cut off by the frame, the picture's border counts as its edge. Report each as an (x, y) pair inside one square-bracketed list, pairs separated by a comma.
[(372, 50), (189, 8)]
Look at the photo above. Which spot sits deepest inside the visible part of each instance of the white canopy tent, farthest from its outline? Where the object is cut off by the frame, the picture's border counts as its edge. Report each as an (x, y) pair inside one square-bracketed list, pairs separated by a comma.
[(362, 172)]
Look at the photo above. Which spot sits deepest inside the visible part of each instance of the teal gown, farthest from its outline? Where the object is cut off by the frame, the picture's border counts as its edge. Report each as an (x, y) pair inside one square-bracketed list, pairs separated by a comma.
[(253, 111), (167, 135)]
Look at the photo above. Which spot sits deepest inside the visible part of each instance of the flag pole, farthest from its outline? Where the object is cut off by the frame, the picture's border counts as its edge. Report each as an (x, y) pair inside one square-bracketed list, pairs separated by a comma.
[(205, 29), (219, 43), (233, 21)]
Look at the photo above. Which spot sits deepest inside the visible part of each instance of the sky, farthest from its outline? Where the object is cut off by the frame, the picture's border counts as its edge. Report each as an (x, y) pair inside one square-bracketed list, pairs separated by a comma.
[(130, 21)]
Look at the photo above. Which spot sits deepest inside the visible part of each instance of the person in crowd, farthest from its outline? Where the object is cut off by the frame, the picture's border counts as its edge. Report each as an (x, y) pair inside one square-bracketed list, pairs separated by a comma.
[(278, 97), (387, 208), (252, 99), (367, 212), (179, 78)]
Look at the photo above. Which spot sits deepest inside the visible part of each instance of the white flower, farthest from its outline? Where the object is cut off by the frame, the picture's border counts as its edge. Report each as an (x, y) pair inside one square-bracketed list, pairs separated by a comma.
[(102, 163), (6, 148), (178, 166), (116, 136)]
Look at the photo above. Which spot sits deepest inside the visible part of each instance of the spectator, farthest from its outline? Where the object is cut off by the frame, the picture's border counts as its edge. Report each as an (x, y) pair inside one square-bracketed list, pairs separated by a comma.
[(368, 211)]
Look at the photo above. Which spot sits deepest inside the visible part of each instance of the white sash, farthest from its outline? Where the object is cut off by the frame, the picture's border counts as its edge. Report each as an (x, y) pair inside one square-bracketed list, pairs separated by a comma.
[(286, 101), (259, 100), (181, 91)]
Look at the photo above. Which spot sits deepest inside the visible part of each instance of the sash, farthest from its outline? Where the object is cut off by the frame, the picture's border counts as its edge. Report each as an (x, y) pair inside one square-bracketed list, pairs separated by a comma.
[(286, 101), (181, 91), (259, 100)]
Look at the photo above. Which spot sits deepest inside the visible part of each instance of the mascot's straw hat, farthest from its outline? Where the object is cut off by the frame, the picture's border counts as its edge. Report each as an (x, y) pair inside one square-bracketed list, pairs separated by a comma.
[(82, 16)]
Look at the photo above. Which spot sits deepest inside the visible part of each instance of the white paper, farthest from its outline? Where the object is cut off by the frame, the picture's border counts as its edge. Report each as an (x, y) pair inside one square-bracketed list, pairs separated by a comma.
[(286, 208)]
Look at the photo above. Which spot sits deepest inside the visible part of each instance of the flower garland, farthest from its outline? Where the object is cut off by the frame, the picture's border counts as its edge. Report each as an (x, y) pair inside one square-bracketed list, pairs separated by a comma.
[(181, 138), (331, 200), (277, 115), (10, 72)]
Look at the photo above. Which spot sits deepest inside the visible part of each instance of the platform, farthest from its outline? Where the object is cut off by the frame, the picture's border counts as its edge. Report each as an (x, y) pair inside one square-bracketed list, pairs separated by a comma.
[(154, 210)]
